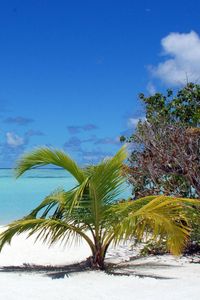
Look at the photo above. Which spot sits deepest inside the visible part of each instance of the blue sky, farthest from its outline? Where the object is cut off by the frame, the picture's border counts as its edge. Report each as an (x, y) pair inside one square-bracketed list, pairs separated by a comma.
[(70, 71)]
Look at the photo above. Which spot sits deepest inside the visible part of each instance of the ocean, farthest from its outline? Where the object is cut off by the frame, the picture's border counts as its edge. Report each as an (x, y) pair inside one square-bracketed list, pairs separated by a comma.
[(19, 196)]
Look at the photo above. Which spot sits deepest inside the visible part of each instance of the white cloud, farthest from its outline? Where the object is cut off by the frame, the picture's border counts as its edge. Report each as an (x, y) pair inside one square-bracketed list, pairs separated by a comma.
[(183, 64), (132, 122), (151, 88), (14, 140)]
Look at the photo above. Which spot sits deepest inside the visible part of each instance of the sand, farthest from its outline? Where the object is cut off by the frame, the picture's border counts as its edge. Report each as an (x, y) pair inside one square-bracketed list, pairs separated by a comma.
[(152, 278)]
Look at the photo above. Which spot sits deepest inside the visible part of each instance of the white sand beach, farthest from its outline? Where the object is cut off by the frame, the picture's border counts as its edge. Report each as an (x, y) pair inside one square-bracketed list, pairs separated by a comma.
[(177, 278)]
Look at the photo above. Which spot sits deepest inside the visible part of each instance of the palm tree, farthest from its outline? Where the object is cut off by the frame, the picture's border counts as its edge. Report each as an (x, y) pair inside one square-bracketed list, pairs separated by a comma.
[(92, 212)]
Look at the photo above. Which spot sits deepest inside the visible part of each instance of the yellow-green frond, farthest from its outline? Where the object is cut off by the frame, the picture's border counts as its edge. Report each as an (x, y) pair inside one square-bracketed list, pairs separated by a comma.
[(45, 156), (48, 230), (160, 217)]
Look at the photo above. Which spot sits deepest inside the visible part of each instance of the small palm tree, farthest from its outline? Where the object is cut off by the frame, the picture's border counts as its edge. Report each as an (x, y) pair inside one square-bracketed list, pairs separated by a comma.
[(92, 212)]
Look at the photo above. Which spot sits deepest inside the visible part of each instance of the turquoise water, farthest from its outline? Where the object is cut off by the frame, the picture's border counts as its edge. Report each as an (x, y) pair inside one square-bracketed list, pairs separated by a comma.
[(19, 197)]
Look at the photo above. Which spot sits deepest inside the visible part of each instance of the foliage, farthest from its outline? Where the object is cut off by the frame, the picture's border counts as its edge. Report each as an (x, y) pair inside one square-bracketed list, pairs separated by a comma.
[(167, 161), (194, 242), (182, 108), (154, 248), (92, 212), (166, 146), (165, 156)]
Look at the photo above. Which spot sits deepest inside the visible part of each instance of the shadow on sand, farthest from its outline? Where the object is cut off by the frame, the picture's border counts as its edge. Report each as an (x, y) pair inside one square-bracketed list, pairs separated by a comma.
[(130, 268), (55, 272)]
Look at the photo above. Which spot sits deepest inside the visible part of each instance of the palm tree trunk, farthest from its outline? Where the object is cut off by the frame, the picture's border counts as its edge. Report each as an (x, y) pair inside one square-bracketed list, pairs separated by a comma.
[(96, 261)]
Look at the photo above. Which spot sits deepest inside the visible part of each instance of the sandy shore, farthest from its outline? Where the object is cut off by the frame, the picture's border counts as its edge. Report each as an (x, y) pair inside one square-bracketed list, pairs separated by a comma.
[(177, 278)]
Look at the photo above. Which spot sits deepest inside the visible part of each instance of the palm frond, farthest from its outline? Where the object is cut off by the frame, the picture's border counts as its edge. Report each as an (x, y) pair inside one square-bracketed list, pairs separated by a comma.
[(48, 230), (162, 216), (55, 200), (45, 156), (63, 205), (107, 178), (105, 184)]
